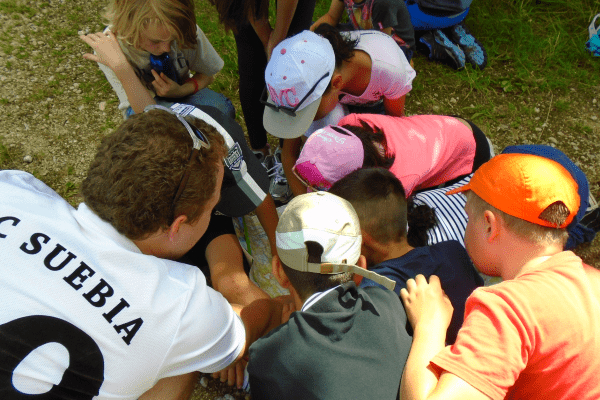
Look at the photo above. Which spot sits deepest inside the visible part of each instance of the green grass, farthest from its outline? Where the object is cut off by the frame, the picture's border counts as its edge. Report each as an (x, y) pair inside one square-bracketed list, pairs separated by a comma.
[(532, 49)]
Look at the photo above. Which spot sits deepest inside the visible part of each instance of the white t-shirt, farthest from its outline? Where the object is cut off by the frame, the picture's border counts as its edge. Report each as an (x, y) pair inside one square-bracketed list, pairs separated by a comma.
[(203, 59), (80, 300), (391, 73)]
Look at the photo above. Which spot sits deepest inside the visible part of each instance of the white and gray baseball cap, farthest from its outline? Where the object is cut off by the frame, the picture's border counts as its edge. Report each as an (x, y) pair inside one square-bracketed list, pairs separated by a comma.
[(330, 221)]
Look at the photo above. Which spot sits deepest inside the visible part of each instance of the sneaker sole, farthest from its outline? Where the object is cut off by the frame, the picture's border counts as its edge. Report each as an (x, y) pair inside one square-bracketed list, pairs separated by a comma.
[(474, 52), (454, 56)]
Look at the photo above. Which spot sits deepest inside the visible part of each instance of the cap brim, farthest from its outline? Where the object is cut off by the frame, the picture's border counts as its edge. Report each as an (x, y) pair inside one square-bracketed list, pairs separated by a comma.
[(460, 189), (285, 126)]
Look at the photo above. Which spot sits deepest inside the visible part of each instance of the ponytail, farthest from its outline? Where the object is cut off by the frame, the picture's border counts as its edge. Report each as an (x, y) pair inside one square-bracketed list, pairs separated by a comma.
[(420, 219)]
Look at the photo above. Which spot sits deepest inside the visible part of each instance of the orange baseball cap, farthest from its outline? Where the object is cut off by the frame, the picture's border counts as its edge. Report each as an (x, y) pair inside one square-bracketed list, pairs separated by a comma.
[(524, 185)]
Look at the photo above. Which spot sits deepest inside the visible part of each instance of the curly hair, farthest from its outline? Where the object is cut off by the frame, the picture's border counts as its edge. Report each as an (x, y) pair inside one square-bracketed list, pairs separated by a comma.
[(129, 18), (137, 170)]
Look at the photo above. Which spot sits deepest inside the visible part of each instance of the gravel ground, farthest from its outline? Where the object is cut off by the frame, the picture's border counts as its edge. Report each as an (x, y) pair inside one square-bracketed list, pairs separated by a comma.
[(55, 107)]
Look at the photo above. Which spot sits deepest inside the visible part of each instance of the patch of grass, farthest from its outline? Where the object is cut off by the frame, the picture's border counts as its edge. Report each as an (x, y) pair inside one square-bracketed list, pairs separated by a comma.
[(14, 7), (562, 106), (10, 157), (70, 189)]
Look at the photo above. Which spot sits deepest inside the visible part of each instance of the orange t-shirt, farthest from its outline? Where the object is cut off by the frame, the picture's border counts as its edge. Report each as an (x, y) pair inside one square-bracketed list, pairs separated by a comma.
[(533, 337)]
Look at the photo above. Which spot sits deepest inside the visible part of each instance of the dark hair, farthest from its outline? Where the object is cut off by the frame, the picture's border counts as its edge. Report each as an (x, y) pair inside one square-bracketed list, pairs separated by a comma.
[(368, 137), (343, 46), (308, 283), (383, 211), (137, 169), (235, 13), (421, 218)]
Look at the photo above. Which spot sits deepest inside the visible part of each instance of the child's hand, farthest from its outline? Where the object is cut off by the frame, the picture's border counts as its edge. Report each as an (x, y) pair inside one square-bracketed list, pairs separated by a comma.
[(107, 49), (234, 374), (166, 87), (426, 303)]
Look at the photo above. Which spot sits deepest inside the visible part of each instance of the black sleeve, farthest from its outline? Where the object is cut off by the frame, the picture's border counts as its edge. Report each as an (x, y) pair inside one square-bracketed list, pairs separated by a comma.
[(246, 183), (393, 13)]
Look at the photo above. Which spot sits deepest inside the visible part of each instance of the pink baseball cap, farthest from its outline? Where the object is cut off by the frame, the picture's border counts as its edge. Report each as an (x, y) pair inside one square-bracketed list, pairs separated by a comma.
[(296, 77), (328, 156)]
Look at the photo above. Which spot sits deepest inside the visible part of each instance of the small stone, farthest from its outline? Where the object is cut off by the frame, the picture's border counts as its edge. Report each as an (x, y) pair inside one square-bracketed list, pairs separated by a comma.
[(552, 140), (436, 108), (28, 159), (537, 110), (538, 129), (593, 117), (204, 382), (453, 100), (102, 106), (228, 397), (81, 107), (594, 101), (503, 127)]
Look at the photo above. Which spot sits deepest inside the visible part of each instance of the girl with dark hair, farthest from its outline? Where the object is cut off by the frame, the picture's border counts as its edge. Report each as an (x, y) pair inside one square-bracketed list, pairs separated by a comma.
[(422, 151), (366, 71)]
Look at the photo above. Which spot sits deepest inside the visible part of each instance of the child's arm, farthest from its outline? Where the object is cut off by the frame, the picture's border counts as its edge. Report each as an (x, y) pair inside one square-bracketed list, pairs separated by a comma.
[(225, 261), (289, 155), (259, 318), (165, 87), (268, 218), (333, 16), (285, 12), (394, 107), (263, 30), (109, 53), (429, 311)]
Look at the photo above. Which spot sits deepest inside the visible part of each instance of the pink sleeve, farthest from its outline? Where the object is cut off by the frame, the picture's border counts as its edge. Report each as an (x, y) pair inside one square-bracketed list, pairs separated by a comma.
[(492, 347)]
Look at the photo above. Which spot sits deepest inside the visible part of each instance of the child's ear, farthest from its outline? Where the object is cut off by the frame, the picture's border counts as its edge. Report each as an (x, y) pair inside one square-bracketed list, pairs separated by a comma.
[(492, 224), (279, 273), (175, 225), (337, 82), (362, 263)]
